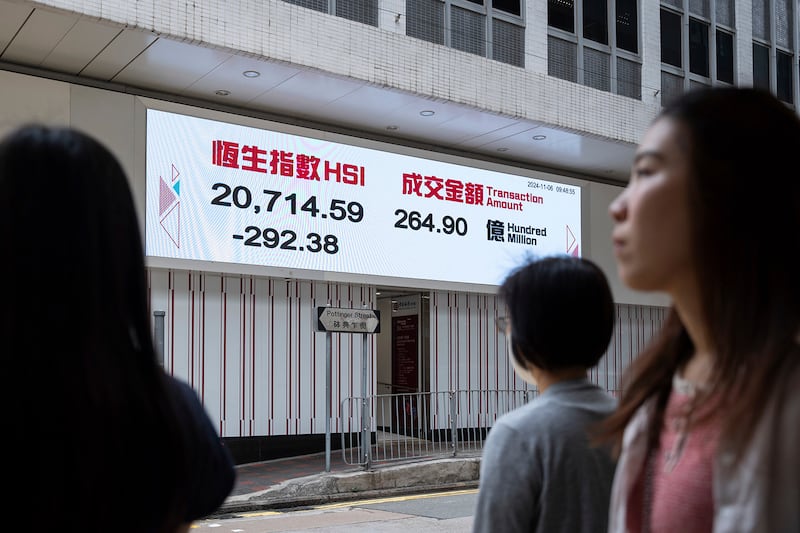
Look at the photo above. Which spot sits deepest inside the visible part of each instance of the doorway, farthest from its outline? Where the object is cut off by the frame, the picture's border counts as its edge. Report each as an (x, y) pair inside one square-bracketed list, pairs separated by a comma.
[(402, 363)]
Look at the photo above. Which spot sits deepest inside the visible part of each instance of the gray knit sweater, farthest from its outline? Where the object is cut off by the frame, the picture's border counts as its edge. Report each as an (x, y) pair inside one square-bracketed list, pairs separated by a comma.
[(538, 470)]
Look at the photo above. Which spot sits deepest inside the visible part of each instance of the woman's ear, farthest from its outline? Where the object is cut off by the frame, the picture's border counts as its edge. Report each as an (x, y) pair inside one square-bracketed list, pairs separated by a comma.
[(522, 367)]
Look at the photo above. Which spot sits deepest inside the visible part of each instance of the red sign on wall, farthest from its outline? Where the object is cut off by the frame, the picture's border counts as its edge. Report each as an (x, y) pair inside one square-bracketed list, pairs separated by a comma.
[(405, 361)]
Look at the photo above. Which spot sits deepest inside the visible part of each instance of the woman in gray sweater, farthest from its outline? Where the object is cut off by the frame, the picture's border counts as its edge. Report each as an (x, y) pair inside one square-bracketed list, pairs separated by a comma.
[(539, 471)]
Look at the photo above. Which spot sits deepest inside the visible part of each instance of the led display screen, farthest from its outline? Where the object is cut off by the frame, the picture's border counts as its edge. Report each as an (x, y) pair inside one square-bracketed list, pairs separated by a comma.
[(234, 194)]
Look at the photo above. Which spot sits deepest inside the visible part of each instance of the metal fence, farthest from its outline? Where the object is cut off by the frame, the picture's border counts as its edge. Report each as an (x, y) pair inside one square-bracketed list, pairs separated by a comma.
[(393, 427)]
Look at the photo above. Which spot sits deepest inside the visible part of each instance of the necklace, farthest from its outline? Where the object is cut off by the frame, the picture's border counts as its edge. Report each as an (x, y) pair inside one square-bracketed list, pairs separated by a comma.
[(681, 422)]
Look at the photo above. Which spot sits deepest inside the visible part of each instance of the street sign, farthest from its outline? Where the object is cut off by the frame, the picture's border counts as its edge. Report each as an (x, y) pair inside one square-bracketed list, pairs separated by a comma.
[(342, 320)]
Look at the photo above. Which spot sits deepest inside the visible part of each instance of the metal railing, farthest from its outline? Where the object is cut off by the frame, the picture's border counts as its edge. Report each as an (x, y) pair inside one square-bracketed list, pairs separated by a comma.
[(422, 425)]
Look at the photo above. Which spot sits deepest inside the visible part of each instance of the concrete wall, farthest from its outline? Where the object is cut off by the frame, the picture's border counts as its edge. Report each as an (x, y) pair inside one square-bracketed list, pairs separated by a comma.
[(286, 32)]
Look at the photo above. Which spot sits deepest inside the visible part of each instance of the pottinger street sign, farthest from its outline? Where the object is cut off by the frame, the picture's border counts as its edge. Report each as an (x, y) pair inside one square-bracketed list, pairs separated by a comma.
[(342, 320), (364, 321)]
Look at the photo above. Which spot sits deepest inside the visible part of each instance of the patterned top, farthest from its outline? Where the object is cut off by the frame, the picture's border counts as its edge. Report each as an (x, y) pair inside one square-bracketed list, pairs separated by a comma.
[(676, 486)]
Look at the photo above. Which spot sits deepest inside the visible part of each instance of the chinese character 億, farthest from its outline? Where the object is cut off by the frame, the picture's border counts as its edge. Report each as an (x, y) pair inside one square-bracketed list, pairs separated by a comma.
[(494, 230)]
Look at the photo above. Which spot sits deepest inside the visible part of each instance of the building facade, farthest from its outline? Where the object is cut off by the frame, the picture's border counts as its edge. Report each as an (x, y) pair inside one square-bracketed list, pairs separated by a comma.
[(552, 91)]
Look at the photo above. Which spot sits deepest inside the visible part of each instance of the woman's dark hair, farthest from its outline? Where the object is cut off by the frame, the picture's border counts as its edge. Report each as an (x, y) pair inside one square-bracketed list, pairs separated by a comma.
[(744, 207), (561, 312), (99, 421)]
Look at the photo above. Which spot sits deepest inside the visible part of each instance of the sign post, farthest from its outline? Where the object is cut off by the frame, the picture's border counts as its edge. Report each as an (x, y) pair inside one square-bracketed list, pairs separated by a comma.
[(365, 425), (328, 402), (343, 320)]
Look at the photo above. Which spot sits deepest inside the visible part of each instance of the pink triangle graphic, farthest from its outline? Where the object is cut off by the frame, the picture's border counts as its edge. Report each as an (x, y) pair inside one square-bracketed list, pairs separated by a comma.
[(575, 252), (175, 173), (165, 196), (570, 239), (171, 223)]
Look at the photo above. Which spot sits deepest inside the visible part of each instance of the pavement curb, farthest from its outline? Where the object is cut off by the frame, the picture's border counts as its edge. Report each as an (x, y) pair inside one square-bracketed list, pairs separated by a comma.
[(442, 474)]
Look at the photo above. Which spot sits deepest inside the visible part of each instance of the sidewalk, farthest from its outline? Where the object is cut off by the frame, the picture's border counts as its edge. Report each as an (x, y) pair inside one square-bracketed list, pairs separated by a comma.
[(302, 481)]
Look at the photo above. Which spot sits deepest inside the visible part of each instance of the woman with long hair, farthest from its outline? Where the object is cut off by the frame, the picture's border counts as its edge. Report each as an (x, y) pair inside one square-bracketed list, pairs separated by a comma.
[(110, 442), (709, 418)]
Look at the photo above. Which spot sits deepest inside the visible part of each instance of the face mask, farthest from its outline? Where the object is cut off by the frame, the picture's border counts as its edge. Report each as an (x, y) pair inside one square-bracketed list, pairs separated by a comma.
[(522, 371)]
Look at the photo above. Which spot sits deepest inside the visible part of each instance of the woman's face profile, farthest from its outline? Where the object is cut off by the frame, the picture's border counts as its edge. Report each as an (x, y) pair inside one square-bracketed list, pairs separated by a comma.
[(651, 233)]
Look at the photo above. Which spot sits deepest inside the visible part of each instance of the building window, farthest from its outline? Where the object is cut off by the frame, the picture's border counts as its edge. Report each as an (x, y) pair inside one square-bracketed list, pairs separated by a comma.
[(724, 57), (514, 7), (425, 20), (603, 52), (698, 47), (488, 28), (561, 15), (761, 19), (702, 55), (595, 21), (775, 51), (467, 31), (760, 66), (671, 38), (627, 25), (783, 69), (363, 11)]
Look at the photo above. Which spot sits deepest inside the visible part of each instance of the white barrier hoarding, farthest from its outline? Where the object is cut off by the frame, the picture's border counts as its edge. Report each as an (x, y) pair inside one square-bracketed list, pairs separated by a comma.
[(228, 193)]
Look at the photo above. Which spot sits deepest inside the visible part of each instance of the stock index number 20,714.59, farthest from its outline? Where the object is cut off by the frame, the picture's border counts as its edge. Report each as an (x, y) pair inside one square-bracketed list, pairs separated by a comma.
[(242, 198)]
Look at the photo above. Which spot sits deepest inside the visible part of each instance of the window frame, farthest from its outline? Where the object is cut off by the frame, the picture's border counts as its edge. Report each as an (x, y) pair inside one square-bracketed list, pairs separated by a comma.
[(331, 9), (690, 79), (611, 50), (774, 48), (733, 58), (489, 13)]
